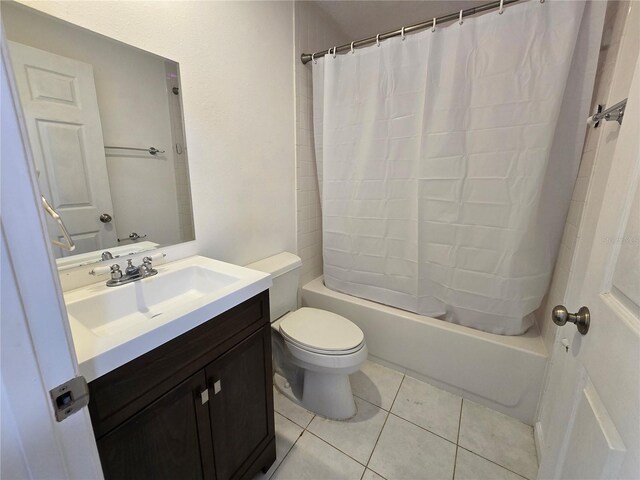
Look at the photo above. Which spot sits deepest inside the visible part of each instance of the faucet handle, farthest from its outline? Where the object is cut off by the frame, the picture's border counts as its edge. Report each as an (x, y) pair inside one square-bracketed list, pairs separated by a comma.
[(147, 261), (131, 268), (116, 273)]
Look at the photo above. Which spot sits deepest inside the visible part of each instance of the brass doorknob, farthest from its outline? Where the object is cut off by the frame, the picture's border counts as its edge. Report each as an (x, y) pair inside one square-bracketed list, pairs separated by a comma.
[(582, 319)]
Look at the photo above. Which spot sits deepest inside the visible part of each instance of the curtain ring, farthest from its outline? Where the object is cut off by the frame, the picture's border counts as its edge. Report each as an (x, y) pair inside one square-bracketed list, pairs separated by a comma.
[(433, 29), (541, 1), (352, 51), (334, 51), (460, 19), (402, 33), (313, 57), (501, 11), (378, 40)]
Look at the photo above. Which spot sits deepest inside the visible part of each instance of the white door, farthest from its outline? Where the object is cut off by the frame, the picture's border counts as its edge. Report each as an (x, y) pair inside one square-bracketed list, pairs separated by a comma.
[(596, 407), (60, 105), (36, 349)]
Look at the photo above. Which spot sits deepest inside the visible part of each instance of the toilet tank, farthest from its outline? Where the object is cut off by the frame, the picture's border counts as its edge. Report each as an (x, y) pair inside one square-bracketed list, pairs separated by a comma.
[(285, 273)]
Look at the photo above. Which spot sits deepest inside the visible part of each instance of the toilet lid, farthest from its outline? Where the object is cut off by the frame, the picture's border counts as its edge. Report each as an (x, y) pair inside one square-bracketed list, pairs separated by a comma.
[(321, 330)]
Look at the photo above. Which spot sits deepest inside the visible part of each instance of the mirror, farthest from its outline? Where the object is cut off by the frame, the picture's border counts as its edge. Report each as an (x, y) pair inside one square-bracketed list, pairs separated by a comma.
[(104, 121)]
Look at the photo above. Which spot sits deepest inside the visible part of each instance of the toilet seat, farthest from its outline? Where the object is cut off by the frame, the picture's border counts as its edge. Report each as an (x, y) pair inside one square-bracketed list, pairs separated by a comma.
[(321, 332)]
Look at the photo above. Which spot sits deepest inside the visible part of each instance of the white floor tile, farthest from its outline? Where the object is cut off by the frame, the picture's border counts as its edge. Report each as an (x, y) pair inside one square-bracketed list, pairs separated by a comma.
[(470, 466), (376, 384), (499, 438), (406, 451), (357, 436), (371, 475), (287, 433), (312, 459), (291, 410), (431, 408)]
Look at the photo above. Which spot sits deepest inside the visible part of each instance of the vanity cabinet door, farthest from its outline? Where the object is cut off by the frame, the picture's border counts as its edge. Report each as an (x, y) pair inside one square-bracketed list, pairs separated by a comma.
[(168, 439), (241, 406)]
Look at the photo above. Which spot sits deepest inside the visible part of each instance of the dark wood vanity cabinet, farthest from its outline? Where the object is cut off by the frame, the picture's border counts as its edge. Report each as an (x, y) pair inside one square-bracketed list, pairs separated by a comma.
[(199, 406)]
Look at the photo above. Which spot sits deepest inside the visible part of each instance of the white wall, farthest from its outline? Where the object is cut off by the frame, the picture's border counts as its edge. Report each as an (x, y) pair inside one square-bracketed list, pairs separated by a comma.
[(126, 79), (238, 101), (314, 31)]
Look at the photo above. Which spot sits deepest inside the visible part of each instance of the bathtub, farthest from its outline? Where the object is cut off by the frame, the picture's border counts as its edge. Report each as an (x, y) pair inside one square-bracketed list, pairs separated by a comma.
[(504, 373)]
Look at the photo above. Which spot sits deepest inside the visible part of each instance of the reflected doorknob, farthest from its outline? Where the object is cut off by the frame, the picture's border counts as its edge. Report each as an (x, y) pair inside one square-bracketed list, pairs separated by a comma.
[(105, 218), (582, 319)]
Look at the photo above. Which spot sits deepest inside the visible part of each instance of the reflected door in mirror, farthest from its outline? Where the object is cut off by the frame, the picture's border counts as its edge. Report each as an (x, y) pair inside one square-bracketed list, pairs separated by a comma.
[(60, 105)]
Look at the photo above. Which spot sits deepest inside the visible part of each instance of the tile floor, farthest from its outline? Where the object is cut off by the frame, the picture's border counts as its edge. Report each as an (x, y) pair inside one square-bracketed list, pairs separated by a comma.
[(405, 429)]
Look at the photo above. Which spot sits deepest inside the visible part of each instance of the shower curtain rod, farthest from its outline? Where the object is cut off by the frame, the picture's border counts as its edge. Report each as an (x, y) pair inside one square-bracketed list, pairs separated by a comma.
[(307, 57)]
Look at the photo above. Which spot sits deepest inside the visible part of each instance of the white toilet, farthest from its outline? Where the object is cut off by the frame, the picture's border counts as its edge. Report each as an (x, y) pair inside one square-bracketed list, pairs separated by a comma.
[(314, 351)]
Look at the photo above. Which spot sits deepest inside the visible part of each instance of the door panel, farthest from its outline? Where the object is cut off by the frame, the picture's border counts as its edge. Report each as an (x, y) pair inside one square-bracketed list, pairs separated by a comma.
[(168, 439), (60, 104), (239, 411), (625, 283), (601, 456), (595, 431), (48, 86)]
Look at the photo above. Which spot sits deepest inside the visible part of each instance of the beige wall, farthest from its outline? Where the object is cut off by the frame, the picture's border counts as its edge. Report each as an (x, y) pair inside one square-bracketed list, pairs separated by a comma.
[(314, 31), (238, 99), (598, 151)]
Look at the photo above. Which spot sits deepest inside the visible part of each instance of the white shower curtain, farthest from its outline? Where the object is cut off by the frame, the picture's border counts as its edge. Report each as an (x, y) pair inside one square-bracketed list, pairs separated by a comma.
[(433, 156)]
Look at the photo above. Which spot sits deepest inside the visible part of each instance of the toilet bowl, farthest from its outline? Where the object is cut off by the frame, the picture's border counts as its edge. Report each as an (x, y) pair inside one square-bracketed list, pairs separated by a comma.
[(314, 351), (328, 348)]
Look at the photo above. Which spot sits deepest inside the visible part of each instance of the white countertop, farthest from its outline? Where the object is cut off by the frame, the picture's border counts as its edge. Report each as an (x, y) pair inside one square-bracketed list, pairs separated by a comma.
[(102, 349)]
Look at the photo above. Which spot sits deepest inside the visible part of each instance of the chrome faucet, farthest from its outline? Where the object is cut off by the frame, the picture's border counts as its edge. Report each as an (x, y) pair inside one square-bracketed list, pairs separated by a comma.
[(107, 255), (132, 273)]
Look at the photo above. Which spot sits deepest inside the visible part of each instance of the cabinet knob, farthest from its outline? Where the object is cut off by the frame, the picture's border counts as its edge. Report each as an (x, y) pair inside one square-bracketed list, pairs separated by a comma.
[(217, 387)]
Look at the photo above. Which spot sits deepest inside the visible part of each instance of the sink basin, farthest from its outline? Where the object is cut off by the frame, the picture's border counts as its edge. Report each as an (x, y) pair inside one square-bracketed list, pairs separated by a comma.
[(113, 325), (136, 304)]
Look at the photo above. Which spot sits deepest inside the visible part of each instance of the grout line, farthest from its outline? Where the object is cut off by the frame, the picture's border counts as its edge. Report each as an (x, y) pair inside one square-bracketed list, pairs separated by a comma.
[(421, 427), (377, 440), (385, 422), (293, 421), (460, 421), (336, 448), (495, 463), (397, 392), (370, 402), (385, 478), (455, 460), (286, 454)]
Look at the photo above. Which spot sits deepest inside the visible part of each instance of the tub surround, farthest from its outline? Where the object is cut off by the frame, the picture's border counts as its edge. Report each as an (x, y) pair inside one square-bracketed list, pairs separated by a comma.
[(504, 373)]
